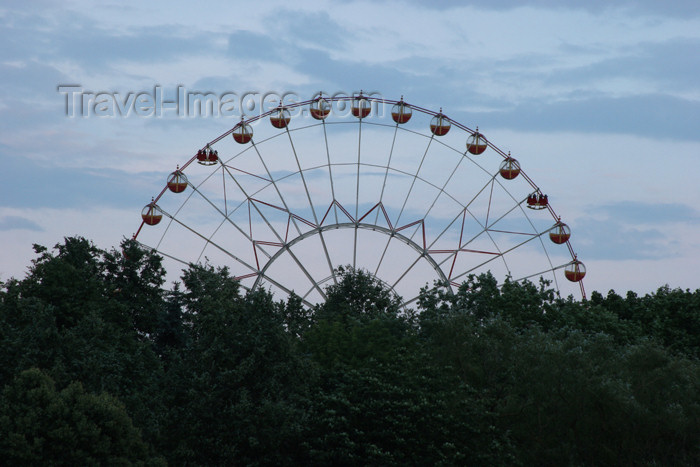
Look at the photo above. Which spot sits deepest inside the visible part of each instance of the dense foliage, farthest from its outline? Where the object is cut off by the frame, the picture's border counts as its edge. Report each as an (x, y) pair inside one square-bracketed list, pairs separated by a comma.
[(100, 364)]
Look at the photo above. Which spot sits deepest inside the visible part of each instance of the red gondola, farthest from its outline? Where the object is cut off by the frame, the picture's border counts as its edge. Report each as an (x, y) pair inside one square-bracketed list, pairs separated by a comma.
[(560, 233), (401, 112), (151, 213), (575, 271), (243, 133), (440, 124), (537, 200), (510, 168), (476, 144), (207, 156), (320, 108), (361, 107), (280, 117), (177, 181)]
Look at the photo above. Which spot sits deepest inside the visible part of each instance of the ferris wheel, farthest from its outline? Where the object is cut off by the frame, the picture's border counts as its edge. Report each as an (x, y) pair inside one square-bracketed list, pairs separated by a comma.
[(287, 197)]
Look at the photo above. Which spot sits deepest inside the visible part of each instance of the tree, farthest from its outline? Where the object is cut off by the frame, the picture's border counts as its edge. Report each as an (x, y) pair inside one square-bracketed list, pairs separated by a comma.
[(66, 318), (238, 388), (381, 399), (41, 425), (573, 384), (209, 374), (134, 277)]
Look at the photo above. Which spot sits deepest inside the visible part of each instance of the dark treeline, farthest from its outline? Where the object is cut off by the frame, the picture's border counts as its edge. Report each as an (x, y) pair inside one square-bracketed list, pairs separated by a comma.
[(100, 364)]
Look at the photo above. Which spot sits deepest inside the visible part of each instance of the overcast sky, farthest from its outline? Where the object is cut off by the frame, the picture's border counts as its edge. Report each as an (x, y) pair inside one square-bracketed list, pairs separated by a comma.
[(600, 100)]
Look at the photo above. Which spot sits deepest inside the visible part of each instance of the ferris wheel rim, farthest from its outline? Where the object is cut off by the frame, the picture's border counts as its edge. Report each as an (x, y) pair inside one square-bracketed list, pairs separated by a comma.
[(325, 124)]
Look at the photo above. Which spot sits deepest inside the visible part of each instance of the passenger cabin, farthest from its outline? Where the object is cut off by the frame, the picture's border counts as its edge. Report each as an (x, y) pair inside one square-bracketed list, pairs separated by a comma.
[(177, 181), (320, 108), (207, 156), (510, 168), (476, 143), (151, 213), (440, 124), (575, 271), (280, 118), (401, 112), (243, 133)]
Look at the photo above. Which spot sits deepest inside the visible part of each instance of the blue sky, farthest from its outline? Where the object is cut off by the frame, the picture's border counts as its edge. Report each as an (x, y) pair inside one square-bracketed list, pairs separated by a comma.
[(600, 101)]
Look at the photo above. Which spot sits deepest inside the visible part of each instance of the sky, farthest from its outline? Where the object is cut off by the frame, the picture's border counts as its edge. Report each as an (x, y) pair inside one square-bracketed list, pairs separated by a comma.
[(599, 100)]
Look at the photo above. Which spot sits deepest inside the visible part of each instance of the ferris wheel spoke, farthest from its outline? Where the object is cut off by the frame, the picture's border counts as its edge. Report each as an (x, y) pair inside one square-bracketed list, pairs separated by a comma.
[(508, 212), (282, 287), (540, 273), (413, 182), (311, 205), (223, 184), (211, 242), (328, 257), (473, 238), (496, 256), (460, 214), (408, 302), (549, 260), (462, 246), (330, 167), (303, 179), (155, 250), (225, 216), (354, 248), (488, 229), (408, 269), (403, 172), (306, 272), (415, 177), (357, 193), (488, 208), (313, 287), (174, 258), (532, 225), (486, 223), (308, 292), (381, 258), (498, 249), (386, 172), (252, 202), (442, 189), (269, 174), (357, 187)]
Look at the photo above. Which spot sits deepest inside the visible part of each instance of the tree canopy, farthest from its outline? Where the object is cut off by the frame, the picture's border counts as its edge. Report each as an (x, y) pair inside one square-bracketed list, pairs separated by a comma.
[(101, 363)]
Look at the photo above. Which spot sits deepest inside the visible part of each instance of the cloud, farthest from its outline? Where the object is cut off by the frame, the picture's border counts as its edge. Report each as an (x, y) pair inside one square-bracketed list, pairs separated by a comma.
[(316, 29), (19, 223), (252, 45), (103, 225), (34, 80), (680, 8), (291, 34), (668, 66), (84, 42), (614, 240), (31, 184), (661, 116), (598, 100), (631, 230), (647, 213)]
